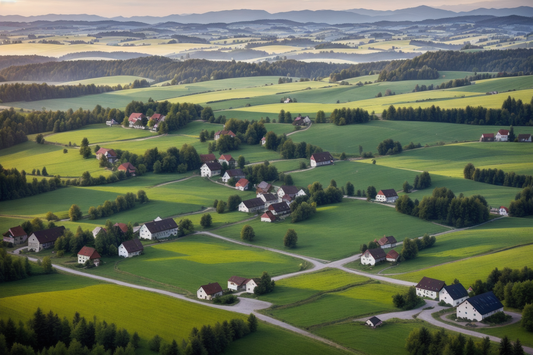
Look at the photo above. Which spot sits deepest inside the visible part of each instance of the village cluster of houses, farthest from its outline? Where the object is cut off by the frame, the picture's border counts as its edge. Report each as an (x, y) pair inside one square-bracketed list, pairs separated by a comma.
[(503, 136), (112, 157), (373, 256), (235, 283), (274, 205)]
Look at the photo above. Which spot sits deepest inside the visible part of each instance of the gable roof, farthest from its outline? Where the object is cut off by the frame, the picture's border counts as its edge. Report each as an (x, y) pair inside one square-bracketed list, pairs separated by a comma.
[(224, 133), (505, 208), (387, 240), (123, 226), (126, 166), (242, 183), (268, 215), (162, 225), (234, 172), (156, 116), (374, 320), (90, 252), (49, 235), (320, 157), (393, 254), (105, 150), (17, 231), (135, 116), (254, 202), (279, 207), (226, 157), (97, 230), (431, 284), (388, 193), (133, 245), (488, 135), (456, 291), (264, 186), (289, 190), (207, 157), (211, 289), (257, 280), (503, 132), (485, 303), (377, 253), (269, 197), (524, 136), (238, 280), (213, 166)]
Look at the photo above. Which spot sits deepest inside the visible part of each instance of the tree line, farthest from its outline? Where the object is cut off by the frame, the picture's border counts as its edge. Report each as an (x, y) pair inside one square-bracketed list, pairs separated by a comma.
[(357, 70), (162, 68), (497, 177), (287, 148), (121, 203), (13, 268), (522, 206), (14, 185), (445, 207), (406, 73), (455, 83), (513, 112), (344, 116), (33, 92)]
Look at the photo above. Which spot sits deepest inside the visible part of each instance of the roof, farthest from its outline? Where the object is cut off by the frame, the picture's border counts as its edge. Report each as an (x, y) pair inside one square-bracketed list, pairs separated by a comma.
[(133, 245), (254, 202), (393, 254), (162, 225), (156, 116), (485, 303), (126, 166), (235, 172), (456, 291), (377, 253), (488, 135), (286, 198), (238, 280), (97, 230), (263, 139), (320, 157), (90, 252), (211, 289), (268, 215), (135, 116), (263, 185), (279, 207), (289, 190), (224, 133), (226, 157), (254, 279), (207, 157), (17, 231), (213, 166), (503, 132), (505, 208), (270, 197), (49, 235), (105, 150), (374, 320), (431, 284), (242, 183), (525, 136), (387, 240), (123, 226), (388, 193)]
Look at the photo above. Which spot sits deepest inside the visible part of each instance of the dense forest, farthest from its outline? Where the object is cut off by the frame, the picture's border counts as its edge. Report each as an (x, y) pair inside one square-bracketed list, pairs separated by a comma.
[(32, 92), (344, 116), (13, 184), (513, 112), (9, 60), (357, 70), (161, 69)]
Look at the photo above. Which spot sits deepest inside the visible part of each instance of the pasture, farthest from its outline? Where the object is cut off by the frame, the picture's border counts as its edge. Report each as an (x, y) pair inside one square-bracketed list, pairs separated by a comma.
[(99, 133), (337, 231)]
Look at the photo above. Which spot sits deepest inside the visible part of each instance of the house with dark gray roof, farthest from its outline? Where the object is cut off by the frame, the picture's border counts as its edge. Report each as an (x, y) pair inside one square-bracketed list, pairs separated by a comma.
[(209, 291), (453, 295), (479, 307), (319, 159), (428, 287), (44, 239), (279, 209), (237, 174), (252, 205), (373, 256), (374, 322), (159, 229), (388, 195), (210, 169), (130, 248)]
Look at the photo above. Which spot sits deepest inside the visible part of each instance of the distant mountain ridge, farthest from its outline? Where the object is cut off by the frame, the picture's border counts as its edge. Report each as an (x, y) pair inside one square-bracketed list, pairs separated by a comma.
[(418, 13)]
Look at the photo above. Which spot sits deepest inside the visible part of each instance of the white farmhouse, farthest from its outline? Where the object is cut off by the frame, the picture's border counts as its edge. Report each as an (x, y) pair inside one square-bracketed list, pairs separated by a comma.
[(503, 211), (430, 288), (373, 256), (210, 169), (88, 253), (252, 205), (479, 307), (502, 135), (159, 229), (268, 199), (268, 217), (242, 184), (98, 230), (291, 191), (130, 248), (233, 173), (251, 284), (389, 196), (453, 294), (209, 291), (319, 159), (237, 283)]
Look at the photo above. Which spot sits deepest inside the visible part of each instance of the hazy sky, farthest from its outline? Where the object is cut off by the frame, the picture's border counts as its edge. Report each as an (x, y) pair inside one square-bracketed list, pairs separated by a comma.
[(127, 8)]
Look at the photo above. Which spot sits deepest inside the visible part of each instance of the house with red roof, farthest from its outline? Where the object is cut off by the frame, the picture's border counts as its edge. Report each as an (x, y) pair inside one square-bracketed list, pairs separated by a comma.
[(263, 141), (393, 256), (388, 195), (128, 168), (123, 227), (503, 211), (226, 158), (110, 154), (487, 137), (209, 291), (242, 184), (502, 135), (15, 235), (88, 253), (224, 133), (386, 242), (135, 120), (208, 158), (268, 217)]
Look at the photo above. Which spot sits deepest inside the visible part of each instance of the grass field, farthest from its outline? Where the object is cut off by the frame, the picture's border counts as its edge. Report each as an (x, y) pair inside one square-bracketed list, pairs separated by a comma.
[(500, 85), (199, 260), (337, 231), (513, 331), (98, 133)]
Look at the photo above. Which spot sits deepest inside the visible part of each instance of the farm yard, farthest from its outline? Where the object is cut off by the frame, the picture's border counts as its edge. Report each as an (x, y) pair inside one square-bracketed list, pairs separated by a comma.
[(315, 242)]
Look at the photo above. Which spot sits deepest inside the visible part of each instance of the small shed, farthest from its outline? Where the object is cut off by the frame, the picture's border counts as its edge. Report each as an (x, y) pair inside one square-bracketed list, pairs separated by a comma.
[(374, 322)]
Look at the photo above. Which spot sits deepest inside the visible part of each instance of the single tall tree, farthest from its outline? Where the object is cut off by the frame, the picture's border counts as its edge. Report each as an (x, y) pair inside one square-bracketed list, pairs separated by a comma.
[(291, 239)]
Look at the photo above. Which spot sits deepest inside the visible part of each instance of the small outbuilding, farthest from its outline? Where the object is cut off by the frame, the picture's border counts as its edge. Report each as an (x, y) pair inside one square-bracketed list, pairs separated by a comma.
[(393, 256), (130, 248), (268, 217), (454, 294), (207, 158), (319, 159), (236, 174), (110, 154), (263, 187), (15, 235), (209, 291), (386, 242), (374, 322), (88, 253), (524, 137), (487, 137), (251, 284), (128, 168)]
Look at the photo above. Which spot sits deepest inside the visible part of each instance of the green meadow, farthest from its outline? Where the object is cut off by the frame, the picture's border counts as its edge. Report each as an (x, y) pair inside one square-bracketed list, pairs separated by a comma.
[(99, 133), (513, 331), (337, 231), (500, 85)]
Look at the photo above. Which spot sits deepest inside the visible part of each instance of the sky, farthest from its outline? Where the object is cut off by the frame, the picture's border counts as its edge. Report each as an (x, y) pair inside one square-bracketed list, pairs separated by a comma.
[(128, 8)]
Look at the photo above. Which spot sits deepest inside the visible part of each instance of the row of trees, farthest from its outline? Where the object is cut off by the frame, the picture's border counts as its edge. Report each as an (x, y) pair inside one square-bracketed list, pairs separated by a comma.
[(344, 116), (231, 205), (33, 92), (162, 68), (13, 268), (287, 148), (389, 147), (513, 112), (522, 206), (411, 247), (121, 203), (406, 73), (445, 207), (260, 172), (455, 83), (62, 336), (13, 184), (497, 177)]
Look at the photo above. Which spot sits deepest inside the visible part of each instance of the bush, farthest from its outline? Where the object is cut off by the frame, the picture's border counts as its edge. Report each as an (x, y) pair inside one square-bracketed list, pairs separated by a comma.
[(227, 299), (497, 318)]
